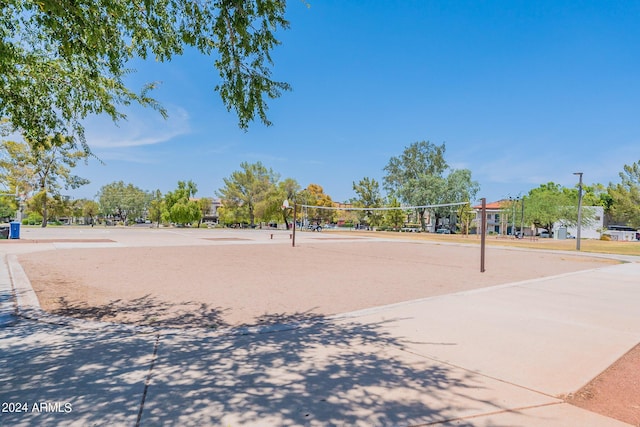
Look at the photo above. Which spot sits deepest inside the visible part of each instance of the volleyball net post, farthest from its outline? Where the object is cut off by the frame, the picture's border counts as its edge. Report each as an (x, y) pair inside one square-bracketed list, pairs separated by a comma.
[(483, 220), (483, 233), (295, 214)]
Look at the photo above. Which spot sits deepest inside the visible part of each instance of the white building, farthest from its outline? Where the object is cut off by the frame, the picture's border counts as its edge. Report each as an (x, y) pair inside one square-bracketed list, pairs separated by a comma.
[(622, 233), (588, 229)]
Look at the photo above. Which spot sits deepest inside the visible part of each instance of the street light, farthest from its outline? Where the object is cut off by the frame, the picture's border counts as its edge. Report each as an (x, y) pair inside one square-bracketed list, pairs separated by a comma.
[(522, 220), (579, 210), (514, 210), (513, 215)]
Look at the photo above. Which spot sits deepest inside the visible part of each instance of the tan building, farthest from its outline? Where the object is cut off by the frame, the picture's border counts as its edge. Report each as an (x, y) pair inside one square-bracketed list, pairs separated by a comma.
[(499, 221)]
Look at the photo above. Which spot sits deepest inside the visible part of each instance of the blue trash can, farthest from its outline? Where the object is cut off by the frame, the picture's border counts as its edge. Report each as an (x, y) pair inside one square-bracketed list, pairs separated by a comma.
[(14, 230)]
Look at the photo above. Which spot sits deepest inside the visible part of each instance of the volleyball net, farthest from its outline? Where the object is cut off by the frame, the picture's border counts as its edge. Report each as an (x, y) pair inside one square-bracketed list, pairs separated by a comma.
[(387, 208), (393, 217)]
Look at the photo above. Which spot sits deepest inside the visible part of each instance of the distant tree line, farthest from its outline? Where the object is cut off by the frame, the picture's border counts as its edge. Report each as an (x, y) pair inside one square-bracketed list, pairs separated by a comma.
[(254, 194)]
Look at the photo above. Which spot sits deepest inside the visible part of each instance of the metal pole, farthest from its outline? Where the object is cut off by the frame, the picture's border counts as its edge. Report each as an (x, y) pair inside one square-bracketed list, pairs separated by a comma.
[(513, 217), (483, 233), (295, 214), (522, 220), (579, 209)]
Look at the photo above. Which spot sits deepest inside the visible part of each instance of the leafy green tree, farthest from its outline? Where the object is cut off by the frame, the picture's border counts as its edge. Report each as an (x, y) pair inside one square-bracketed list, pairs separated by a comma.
[(16, 176), (185, 212), (551, 203), (43, 166), (57, 206), (459, 187), (271, 207), (60, 206), (204, 204), (625, 196), (78, 207), (288, 189), (90, 209), (395, 217), (545, 205), (122, 201), (248, 188), (368, 196), (75, 207), (179, 208), (7, 207), (314, 195), (233, 215), (35, 203), (465, 216), (61, 61), (595, 195), (417, 177), (156, 207)]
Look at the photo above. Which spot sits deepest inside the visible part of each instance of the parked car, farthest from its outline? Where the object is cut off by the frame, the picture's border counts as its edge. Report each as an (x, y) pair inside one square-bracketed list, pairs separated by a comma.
[(443, 231), (314, 227)]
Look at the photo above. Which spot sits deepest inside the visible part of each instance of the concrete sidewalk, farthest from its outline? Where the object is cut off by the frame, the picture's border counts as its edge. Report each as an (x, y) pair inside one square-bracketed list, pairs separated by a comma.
[(500, 356)]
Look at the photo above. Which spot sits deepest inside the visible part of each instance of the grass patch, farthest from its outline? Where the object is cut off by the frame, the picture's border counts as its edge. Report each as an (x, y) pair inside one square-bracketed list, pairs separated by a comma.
[(586, 245)]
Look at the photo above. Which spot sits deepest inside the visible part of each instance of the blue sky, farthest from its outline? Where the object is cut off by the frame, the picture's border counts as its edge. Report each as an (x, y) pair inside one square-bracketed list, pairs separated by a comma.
[(521, 92)]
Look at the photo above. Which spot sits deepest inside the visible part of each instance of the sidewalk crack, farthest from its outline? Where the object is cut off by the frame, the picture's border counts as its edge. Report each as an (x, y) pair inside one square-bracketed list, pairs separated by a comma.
[(148, 380)]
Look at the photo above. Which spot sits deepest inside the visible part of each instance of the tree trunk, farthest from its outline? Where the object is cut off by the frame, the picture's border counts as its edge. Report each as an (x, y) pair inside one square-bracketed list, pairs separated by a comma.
[(44, 211), (421, 216), (436, 218)]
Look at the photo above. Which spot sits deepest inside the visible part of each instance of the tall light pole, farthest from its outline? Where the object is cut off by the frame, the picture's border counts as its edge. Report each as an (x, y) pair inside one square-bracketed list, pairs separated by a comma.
[(513, 215), (483, 233), (522, 220), (579, 210), (513, 202)]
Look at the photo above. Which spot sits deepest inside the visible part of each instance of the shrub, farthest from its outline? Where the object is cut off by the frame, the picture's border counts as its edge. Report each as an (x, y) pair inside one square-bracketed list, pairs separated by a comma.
[(33, 219)]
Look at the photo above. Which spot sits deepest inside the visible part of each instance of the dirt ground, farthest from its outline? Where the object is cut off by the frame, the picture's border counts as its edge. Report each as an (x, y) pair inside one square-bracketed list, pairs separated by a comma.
[(615, 392), (234, 285), (230, 285)]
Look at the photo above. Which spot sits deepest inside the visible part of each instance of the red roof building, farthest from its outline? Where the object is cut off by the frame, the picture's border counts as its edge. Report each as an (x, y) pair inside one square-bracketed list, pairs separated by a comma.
[(499, 217)]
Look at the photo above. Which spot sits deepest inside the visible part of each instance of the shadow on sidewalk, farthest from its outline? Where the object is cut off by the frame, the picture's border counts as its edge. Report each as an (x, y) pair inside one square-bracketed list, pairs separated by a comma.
[(329, 373), (62, 376), (326, 373)]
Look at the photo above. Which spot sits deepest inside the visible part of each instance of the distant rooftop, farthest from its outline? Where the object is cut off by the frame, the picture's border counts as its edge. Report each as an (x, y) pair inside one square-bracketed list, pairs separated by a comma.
[(492, 205)]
